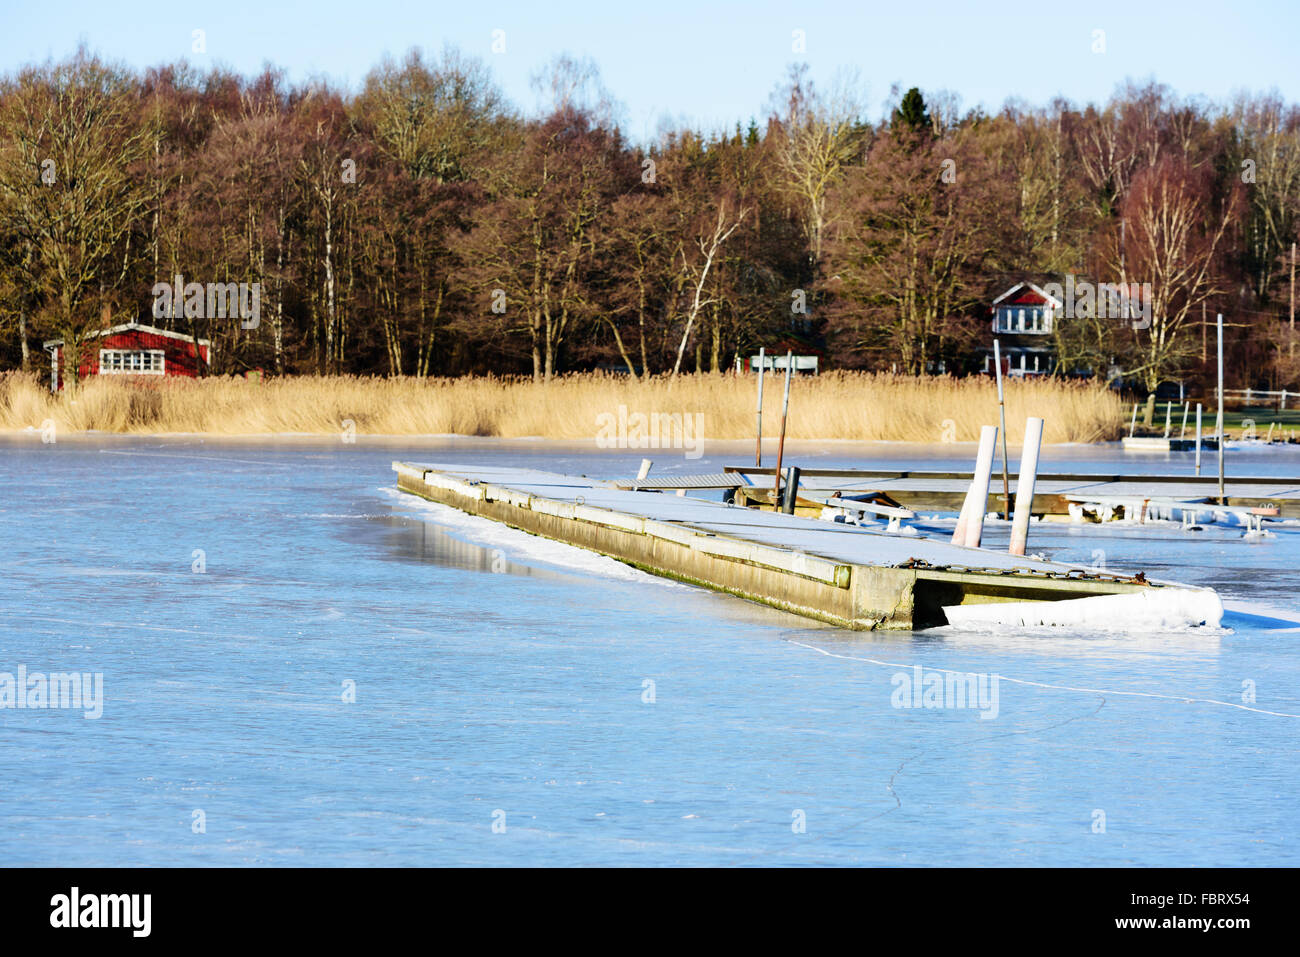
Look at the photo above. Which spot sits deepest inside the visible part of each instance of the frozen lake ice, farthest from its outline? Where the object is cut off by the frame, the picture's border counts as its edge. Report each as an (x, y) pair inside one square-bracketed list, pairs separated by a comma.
[(521, 702)]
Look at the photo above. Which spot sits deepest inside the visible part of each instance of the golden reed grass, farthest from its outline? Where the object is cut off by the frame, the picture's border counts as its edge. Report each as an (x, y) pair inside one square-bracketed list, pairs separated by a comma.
[(836, 405)]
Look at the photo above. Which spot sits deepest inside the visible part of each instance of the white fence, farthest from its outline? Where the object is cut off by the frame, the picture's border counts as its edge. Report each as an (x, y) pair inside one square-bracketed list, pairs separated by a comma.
[(1251, 395)]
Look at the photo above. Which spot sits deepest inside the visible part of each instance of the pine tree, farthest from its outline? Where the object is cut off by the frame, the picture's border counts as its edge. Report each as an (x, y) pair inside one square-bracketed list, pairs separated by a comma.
[(911, 114)]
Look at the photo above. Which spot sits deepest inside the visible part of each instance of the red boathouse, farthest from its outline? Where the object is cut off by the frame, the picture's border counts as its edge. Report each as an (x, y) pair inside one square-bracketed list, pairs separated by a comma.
[(131, 349)]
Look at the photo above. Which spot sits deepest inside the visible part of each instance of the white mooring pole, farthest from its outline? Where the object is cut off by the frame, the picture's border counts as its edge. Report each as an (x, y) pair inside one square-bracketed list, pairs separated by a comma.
[(758, 425), (970, 525), (1025, 481), (1198, 438), (959, 533)]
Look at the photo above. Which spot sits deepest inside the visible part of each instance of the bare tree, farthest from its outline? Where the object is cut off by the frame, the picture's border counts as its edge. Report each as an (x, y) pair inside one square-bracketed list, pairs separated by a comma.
[(816, 138), (1174, 241), (69, 174), (698, 269)]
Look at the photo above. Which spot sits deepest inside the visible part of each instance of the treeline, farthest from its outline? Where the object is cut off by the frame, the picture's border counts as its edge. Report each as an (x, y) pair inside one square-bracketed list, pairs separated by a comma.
[(423, 226)]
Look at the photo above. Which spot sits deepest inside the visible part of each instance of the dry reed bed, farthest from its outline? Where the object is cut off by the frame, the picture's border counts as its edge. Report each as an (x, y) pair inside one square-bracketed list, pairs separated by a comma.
[(837, 405)]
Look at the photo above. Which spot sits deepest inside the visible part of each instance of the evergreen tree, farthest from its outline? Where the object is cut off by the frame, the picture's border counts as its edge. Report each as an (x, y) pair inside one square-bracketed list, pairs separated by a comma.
[(911, 114)]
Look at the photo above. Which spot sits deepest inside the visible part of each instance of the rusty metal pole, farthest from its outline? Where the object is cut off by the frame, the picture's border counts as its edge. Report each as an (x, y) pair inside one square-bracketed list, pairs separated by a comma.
[(1002, 415), (1219, 423), (780, 445)]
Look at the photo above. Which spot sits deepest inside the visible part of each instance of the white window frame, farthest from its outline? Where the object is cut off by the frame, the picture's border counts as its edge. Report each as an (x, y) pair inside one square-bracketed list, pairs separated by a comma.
[(1025, 320), (109, 364)]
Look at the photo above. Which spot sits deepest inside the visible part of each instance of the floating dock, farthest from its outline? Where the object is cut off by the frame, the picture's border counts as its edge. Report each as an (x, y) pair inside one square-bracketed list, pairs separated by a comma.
[(845, 575), (1054, 493), (1158, 443)]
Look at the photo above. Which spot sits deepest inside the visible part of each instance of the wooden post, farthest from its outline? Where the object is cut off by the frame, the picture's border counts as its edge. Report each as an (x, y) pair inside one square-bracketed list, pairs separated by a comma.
[(1026, 478), (758, 425), (780, 445), (1218, 425), (1002, 417)]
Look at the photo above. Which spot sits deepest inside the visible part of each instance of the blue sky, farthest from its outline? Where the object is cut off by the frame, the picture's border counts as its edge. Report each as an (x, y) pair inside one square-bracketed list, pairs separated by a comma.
[(710, 63)]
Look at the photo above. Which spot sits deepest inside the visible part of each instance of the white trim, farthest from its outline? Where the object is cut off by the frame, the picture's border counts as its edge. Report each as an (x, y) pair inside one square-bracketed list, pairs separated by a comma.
[(151, 353), (134, 327), (1021, 285)]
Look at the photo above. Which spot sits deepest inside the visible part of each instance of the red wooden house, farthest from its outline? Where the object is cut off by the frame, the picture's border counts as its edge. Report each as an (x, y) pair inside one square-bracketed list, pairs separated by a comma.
[(1023, 317), (131, 349)]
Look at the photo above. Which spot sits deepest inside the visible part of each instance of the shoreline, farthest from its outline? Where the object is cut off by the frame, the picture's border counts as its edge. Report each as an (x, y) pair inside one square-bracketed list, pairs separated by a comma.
[(850, 407), (742, 446)]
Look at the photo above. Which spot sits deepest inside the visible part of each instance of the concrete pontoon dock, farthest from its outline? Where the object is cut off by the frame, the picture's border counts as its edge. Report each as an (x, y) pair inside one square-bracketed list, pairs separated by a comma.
[(842, 574)]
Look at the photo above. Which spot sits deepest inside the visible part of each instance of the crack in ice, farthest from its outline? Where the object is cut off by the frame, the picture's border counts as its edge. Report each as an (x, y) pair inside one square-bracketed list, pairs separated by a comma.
[(1041, 684)]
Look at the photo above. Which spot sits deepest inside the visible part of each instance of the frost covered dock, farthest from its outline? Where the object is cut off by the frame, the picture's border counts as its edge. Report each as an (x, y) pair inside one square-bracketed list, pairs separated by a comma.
[(1054, 493), (846, 575)]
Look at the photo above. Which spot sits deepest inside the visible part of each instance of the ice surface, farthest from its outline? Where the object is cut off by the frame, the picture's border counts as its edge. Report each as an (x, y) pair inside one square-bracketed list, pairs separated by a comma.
[(522, 688)]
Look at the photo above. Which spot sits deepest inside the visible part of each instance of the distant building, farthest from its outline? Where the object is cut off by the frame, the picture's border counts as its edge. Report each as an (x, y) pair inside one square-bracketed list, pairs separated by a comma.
[(131, 349), (805, 365), (1023, 318)]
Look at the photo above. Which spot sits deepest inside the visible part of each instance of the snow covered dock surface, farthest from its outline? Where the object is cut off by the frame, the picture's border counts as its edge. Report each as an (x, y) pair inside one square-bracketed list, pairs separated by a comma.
[(1130, 605), (1136, 486)]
